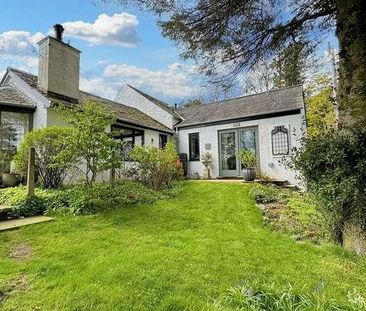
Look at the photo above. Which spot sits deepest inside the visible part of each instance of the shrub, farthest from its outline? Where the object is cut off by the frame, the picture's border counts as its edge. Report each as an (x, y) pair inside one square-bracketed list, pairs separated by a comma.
[(157, 167), (30, 206), (12, 195), (94, 149), (82, 200), (334, 168), (48, 143)]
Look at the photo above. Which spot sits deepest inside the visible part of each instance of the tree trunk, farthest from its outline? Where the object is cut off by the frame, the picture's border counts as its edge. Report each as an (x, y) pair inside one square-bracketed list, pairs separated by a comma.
[(351, 33)]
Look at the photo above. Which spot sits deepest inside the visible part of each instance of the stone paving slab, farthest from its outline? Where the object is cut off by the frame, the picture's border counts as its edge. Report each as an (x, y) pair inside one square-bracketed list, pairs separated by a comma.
[(17, 223)]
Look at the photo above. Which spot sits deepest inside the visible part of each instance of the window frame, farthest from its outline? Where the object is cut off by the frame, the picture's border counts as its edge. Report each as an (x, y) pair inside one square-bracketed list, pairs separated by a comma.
[(190, 135), (117, 127), (280, 129), (161, 144)]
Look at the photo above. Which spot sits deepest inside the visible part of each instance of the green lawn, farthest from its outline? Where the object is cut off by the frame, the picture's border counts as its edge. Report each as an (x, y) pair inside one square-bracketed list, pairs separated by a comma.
[(172, 255)]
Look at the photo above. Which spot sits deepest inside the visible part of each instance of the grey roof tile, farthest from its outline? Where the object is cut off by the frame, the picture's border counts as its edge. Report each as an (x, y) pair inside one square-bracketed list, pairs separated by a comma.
[(12, 97), (282, 100), (123, 112)]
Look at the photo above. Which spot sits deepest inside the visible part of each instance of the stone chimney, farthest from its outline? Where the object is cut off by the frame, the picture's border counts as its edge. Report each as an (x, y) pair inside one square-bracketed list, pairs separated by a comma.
[(59, 67)]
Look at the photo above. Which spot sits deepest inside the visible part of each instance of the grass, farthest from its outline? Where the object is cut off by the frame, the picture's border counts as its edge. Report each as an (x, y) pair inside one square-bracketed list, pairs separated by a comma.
[(175, 254)]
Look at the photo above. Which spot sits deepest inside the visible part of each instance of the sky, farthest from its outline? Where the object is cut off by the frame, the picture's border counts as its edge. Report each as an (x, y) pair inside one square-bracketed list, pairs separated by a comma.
[(119, 45)]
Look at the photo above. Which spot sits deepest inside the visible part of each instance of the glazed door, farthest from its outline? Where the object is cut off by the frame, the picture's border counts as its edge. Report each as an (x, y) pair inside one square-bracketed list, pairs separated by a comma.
[(228, 141), (248, 140)]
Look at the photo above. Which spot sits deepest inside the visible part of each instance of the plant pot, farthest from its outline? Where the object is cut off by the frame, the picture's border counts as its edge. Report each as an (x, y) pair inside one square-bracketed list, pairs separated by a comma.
[(10, 180), (249, 173)]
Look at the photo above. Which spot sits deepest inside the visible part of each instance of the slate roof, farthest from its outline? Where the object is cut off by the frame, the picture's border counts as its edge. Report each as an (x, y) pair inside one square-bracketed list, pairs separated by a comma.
[(123, 112), (157, 102), (12, 97), (277, 101)]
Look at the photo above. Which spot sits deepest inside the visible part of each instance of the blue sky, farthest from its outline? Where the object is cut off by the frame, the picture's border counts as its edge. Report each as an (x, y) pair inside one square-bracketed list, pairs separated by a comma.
[(119, 45)]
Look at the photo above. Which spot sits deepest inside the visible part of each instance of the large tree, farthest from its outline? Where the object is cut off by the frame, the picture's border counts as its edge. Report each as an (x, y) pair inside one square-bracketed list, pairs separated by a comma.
[(229, 36)]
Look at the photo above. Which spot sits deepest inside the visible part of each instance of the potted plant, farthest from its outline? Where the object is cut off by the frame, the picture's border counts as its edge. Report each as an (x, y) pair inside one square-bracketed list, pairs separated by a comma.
[(9, 179), (248, 160), (206, 160)]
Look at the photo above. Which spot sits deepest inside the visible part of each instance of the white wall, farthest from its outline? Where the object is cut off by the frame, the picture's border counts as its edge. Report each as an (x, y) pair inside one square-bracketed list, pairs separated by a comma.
[(129, 97), (41, 102), (269, 165)]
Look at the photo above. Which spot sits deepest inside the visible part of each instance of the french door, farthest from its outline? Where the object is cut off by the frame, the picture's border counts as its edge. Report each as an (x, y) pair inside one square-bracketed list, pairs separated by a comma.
[(230, 141)]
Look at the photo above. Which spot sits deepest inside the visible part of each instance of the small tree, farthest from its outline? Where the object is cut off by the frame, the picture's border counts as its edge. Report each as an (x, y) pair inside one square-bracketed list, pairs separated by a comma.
[(48, 143), (320, 111), (93, 146), (157, 167)]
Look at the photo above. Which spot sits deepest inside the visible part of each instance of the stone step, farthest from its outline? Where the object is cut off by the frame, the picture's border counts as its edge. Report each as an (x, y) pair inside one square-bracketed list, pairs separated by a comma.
[(17, 223)]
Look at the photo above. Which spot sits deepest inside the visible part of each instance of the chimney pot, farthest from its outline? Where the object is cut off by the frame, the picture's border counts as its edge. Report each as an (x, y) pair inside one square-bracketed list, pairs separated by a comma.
[(59, 30)]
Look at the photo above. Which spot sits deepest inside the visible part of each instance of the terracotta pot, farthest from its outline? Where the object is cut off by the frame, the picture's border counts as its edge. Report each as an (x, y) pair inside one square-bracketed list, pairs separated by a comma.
[(10, 180), (249, 173)]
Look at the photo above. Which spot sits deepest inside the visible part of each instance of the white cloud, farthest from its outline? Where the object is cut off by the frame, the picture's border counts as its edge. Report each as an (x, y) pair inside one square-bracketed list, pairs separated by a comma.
[(19, 49), (99, 86), (173, 81), (20, 43), (118, 29)]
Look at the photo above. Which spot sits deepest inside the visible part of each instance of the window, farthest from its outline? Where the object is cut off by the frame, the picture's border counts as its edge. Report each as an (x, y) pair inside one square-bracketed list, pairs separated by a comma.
[(280, 141), (13, 127), (163, 139), (130, 138), (194, 146)]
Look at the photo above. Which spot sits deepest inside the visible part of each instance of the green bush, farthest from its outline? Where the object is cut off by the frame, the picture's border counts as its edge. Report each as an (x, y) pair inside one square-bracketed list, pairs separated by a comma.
[(84, 200), (12, 195), (81, 200), (48, 143), (334, 168), (30, 206), (157, 167)]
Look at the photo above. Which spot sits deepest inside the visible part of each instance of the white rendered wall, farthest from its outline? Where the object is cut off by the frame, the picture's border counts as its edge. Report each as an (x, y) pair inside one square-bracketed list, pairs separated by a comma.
[(269, 165), (41, 102), (129, 97)]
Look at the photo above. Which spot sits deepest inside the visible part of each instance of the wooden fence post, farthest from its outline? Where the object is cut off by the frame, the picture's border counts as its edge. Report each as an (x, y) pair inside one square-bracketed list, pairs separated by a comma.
[(113, 177), (31, 172)]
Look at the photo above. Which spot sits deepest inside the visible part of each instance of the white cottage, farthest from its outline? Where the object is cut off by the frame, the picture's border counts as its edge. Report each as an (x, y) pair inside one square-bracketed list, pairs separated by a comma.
[(270, 123)]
